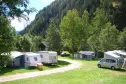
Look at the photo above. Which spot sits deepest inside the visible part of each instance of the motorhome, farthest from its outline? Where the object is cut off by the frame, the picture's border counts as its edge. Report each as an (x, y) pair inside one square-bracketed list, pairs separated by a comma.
[(113, 59), (48, 57)]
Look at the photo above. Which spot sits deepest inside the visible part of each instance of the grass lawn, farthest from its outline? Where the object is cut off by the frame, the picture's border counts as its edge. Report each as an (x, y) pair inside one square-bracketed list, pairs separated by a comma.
[(13, 71), (87, 74)]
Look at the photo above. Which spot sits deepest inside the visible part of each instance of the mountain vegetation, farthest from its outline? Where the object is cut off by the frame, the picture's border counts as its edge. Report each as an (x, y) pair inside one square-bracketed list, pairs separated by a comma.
[(81, 24), (57, 10), (115, 11)]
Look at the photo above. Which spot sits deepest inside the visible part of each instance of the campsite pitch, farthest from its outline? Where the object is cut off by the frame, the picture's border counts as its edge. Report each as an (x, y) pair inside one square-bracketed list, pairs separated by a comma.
[(73, 65)]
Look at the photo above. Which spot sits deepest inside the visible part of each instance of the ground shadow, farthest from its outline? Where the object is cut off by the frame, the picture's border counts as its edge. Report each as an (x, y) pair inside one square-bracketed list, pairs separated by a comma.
[(59, 64), (5, 70), (11, 69), (118, 70)]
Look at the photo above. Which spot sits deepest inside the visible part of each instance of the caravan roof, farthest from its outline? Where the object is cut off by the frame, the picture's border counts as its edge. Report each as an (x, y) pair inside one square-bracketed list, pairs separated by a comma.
[(52, 52), (15, 54), (120, 52), (42, 52), (114, 53), (31, 54), (47, 52), (89, 53)]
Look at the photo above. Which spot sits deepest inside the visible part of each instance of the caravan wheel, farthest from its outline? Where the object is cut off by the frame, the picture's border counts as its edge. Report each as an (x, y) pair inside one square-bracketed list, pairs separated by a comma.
[(113, 68)]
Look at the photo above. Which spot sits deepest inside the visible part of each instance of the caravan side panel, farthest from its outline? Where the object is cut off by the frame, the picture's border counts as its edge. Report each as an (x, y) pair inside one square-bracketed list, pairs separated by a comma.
[(45, 58), (27, 61), (16, 62), (32, 60), (53, 57)]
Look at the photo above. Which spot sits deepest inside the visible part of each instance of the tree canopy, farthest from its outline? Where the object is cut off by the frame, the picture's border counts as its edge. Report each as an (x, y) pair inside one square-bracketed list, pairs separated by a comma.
[(15, 8), (10, 9)]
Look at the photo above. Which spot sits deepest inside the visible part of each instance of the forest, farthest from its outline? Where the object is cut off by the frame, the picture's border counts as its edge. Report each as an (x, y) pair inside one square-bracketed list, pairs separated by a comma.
[(70, 25), (74, 25)]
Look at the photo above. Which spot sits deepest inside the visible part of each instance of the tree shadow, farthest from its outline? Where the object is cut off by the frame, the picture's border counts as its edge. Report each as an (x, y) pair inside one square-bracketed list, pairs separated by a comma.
[(11, 69), (59, 64), (6, 70)]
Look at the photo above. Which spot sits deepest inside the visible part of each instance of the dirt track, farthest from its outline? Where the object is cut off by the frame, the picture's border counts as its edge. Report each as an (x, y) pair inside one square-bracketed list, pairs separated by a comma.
[(73, 65)]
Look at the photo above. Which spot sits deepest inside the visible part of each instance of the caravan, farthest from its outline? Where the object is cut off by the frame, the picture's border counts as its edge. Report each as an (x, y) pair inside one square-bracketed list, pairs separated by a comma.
[(27, 59), (32, 59), (113, 59), (48, 57)]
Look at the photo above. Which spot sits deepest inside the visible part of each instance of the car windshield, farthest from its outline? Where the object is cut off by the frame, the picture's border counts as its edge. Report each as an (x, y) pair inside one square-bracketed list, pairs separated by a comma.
[(102, 60), (120, 61)]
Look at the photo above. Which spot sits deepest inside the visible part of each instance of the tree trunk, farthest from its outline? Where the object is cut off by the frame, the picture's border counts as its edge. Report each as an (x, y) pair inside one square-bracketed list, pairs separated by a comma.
[(72, 48), (96, 54)]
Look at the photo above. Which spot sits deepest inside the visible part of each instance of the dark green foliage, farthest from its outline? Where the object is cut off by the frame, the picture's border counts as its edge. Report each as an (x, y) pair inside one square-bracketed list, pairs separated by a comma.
[(122, 40), (116, 11), (57, 10), (70, 28), (42, 46), (95, 29), (53, 38), (12, 8), (29, 43), (109, 37), (6, 41)]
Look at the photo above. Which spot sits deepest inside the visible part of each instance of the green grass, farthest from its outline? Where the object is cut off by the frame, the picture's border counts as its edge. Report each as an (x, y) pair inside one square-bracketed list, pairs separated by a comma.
[(87, 74), (13, 71)]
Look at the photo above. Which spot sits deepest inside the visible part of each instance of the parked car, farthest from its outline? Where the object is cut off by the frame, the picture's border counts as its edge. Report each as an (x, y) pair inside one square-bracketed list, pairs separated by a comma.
[(65, 53)]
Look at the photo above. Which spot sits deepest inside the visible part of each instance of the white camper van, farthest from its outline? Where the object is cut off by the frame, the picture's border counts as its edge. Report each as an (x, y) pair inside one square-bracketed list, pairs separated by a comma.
[(31, 59), (113, 60), (48, 57)]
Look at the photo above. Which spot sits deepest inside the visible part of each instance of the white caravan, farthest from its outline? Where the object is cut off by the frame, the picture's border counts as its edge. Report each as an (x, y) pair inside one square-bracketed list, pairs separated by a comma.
[(113, 59), (31, 59), (27, 59), (48, 57)]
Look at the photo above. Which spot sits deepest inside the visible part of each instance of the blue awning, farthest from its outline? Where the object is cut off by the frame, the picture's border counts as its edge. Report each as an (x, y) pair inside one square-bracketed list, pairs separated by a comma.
[(88, 53)]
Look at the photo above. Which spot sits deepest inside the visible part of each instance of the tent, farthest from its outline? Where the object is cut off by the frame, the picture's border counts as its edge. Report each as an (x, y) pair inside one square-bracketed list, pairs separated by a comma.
[(87, 55)]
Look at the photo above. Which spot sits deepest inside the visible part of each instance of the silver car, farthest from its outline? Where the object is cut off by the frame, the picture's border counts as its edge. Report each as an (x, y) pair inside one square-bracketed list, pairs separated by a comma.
[(110, 63)]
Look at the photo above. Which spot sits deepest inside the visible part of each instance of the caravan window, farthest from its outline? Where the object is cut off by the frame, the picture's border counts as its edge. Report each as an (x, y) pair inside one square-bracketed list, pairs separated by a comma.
[(35, 58), (54, 57), (120, 61), (112, 61), (27, 59), (41, 56), (107, 60)]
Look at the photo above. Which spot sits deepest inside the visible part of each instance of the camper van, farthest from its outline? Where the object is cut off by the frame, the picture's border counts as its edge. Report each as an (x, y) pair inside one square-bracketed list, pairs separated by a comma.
[(48, 57), (113, 60), (27, 59)]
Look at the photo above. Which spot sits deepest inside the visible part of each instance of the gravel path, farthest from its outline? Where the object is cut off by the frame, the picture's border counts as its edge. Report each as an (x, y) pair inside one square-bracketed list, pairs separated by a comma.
[(73, 65)]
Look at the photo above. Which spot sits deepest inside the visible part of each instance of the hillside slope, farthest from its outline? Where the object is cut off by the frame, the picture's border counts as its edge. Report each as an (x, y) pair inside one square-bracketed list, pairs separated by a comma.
[(57, 10), (116, 11)]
